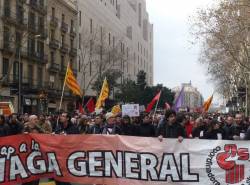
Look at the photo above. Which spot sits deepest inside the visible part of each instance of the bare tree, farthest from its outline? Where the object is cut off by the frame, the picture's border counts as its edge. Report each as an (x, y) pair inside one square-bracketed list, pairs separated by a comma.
[(98, 54), (223, 31)]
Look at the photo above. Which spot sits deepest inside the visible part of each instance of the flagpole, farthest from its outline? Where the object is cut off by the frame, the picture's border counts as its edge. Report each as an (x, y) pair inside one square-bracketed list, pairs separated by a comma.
[(156, 108), (60, 105)]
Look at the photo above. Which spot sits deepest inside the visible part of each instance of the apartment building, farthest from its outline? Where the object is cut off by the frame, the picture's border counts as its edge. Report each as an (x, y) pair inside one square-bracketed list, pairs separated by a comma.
[(38, 38), (192, 97), (61, 48), (120, 28), (22, 42)]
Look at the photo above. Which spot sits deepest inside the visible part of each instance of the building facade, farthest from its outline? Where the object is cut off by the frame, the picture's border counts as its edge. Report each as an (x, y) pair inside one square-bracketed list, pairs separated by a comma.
[(114, 34), (61, 49), (192, 97), (37, 38), (23, 37)]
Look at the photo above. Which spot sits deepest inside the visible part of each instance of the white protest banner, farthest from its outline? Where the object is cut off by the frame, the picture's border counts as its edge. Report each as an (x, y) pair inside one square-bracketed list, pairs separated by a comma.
[(131, 110)]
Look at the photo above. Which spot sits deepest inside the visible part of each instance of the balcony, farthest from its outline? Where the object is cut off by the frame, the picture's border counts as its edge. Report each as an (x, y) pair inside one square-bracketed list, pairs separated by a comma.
[(64, 27), (64, 48), (42, 58), (54, 44), (63, 70), (42, 32), (8, 17), (8, 48), (73, 52), (32, 28), (21, 23), (54, 21), (38, 7), (72, 32), (54, 67)]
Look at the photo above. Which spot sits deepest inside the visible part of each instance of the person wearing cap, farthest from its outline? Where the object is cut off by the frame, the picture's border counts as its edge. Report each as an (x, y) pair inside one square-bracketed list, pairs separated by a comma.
[(110, 126)]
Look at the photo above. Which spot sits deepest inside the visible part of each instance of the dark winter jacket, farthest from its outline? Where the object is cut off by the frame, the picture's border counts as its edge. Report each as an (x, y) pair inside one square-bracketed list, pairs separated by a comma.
[(146, 130), (171, 131)]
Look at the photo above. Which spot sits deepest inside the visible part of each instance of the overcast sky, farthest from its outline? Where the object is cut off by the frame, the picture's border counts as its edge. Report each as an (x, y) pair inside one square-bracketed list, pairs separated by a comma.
[(176, 60)]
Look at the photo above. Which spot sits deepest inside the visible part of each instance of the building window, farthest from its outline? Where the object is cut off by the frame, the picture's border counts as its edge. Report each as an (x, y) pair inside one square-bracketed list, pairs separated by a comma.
[(63, 18), (139, 16), (90, 68), (52, 34), (40, 48), (72, 25), (31, 46), (6, 37), (62, 62), (5, 66), (91, 47), (63, 38), (80, 40), (109, 38), (53, 12), (39, 76), (91, 25), (52, 57), (113, 41), (15, 71), (71, 43), (30, 74), (80, 18), (32, 19), (79, 64)]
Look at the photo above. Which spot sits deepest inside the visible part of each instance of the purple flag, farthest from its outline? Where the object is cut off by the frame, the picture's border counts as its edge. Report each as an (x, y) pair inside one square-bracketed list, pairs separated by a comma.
[(179, 100)]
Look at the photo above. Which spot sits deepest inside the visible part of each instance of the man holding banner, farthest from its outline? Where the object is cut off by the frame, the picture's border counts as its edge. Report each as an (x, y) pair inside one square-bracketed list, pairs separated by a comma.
[(169, 128)]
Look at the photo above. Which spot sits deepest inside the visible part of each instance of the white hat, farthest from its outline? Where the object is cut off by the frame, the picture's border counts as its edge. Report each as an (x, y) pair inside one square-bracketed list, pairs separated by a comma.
[(109, 115)]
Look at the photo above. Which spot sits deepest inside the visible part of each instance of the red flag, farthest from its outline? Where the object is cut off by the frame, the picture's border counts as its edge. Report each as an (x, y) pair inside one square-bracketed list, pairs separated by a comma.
[(152, 103), (167, 106), (90, 105), (81, 109)]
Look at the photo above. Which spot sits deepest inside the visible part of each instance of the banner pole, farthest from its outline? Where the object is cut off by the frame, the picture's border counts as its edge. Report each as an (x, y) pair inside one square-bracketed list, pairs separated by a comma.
[(156, 108), (60, 105)]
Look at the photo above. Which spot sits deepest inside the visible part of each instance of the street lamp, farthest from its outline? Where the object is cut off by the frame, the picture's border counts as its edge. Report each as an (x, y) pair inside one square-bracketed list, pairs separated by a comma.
[(20, 110)]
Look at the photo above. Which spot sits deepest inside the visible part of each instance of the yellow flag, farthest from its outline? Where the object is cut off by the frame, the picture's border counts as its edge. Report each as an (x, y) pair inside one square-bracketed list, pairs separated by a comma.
[(71, 82), (207, 104), (116, 109), (103, 95)]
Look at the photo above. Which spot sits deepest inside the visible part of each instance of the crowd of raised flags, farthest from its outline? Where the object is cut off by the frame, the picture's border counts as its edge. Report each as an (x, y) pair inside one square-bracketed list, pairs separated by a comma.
[(72, 84)]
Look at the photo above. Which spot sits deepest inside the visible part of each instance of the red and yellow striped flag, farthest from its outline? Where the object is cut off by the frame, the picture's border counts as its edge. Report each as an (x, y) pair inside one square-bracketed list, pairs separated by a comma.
[(207, 104), (103, 95), (71, 82)]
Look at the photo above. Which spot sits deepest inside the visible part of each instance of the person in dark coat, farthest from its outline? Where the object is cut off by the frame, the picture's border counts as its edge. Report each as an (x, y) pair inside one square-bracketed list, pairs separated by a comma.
[(127, 128), (240, 128), (170, 128), (4, 127), (146, 128), (229, 128), (97, 127), (16, 127), (214, 131), (65, 126)]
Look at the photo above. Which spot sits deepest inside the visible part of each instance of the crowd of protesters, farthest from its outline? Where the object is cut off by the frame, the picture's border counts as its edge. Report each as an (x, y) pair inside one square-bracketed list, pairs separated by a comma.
[(161, 125), (166, 125)]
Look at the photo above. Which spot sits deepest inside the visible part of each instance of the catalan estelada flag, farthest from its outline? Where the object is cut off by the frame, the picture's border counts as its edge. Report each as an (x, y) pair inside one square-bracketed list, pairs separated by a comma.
[(71, 82), (207, 104), (103, 95)]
